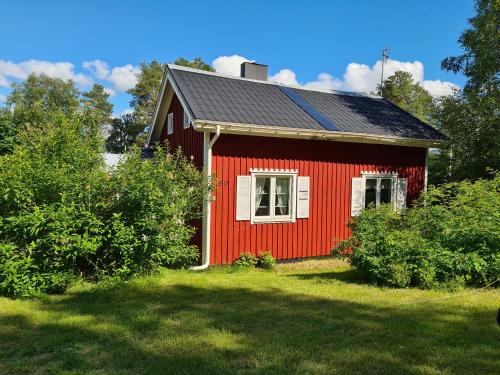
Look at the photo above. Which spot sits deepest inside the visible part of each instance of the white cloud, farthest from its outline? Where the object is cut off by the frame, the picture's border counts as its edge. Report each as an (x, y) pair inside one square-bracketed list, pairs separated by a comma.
[(98, 67), (439, 88), (126, 111), (357, 77), (109, 91), (122, 77), (362, 78), (3, 98), (285, 76), (22, 70), (229, 65), (325, 82), (4, 82)]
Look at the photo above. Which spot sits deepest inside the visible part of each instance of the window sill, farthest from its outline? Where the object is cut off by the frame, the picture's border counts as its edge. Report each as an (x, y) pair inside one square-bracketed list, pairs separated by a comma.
[(268, 220)]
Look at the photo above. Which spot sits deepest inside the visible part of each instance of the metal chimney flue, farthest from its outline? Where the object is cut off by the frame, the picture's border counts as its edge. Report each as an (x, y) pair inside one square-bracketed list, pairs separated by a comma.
[(253, 70)]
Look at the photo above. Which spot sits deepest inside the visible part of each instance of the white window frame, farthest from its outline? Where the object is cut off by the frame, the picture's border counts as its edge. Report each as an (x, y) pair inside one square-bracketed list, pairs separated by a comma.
[(170, 123), (186, 123), (379, 176), (273, 174)]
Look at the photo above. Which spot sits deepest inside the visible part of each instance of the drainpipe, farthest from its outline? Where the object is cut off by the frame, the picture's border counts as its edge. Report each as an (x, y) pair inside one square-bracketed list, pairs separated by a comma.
[(207, 166)]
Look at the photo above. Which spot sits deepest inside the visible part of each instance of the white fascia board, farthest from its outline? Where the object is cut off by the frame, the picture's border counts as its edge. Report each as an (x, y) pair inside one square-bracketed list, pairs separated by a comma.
[(282, 132), (167, 78)]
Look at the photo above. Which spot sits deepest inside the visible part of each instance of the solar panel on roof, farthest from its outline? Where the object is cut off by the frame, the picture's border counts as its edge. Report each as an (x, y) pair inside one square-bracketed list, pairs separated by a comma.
[(309, 109)]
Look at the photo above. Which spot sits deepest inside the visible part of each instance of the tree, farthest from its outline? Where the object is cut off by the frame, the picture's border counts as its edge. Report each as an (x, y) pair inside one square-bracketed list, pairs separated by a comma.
[(196, 63), (123, 134), (481, 58), (146, 91), (401, 90), (34, 100), (96, 107), (8, 131), (471, 118), (41, 101)]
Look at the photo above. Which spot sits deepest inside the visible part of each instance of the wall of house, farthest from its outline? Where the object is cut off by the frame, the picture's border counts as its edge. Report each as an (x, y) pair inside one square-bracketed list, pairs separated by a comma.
[(191, 143), (330, 165), (190, 140)]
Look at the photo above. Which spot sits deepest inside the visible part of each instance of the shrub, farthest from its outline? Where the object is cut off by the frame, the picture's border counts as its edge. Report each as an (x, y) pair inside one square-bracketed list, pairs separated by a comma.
[(64, 216), (266, 261), (450, 238), (245, 261)]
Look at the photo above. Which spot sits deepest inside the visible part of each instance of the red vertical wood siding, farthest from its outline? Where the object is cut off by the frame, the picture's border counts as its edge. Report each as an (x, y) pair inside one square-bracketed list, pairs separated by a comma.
[(330, 166), (189, 140), (191, 143)]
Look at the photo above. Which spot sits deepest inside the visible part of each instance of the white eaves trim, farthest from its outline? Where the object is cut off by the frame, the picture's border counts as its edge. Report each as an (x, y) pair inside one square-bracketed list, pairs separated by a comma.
[(282, 132)]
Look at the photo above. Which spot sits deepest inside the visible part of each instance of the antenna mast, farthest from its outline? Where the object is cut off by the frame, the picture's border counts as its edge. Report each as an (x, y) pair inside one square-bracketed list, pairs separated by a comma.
[(385, 56)]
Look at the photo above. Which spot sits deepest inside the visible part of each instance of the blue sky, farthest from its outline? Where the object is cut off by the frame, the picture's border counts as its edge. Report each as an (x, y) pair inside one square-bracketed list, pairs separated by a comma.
[(323, 44)]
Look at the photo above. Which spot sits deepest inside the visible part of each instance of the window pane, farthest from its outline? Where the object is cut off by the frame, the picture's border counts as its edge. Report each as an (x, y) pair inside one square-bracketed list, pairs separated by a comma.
[(370, 192), (262, 197), (386, 190), (282, 201)]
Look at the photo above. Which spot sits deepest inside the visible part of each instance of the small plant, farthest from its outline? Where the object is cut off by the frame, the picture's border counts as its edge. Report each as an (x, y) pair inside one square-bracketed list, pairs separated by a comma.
[(266, 261), (245, 261)]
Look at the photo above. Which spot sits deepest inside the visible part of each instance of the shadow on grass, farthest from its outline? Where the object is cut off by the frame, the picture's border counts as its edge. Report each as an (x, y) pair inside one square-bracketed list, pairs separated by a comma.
[(132, 329), (350, 275)]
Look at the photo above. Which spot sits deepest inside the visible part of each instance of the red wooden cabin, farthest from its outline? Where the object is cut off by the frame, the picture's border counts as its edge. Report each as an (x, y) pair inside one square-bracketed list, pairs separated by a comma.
[(292, 165)]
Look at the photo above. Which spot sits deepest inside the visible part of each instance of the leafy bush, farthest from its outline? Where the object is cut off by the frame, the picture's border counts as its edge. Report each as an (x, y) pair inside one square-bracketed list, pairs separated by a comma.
[(266, 261), (64, 216), (451, 238), (245, 261)]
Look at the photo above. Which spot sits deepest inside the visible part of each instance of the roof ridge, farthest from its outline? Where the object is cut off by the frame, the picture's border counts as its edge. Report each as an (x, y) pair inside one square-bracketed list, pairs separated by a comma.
[(298, 87)]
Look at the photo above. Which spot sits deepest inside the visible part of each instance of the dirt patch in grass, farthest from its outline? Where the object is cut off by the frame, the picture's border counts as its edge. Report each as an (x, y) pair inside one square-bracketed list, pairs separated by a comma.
[(312, 264)]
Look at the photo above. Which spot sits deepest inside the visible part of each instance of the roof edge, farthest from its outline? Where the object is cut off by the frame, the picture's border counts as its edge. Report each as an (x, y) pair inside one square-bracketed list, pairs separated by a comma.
[(283, 132), (299, 87)]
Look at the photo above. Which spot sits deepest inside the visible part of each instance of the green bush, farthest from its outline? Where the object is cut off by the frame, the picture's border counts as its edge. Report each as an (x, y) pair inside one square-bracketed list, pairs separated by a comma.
[(266, 261), (64, 216), (245, 261), (450, 238)]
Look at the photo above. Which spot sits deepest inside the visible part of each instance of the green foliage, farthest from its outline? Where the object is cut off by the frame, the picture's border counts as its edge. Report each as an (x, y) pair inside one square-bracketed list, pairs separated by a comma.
[(196, 63), (245, 261), (470, 119), (401, 90), (96, 107), (123, 134), (480, 62), (8, 131), (36, 99), (266, 261), (145, 93), (449, 239), (64, 216), (473, 131), (41, 102)]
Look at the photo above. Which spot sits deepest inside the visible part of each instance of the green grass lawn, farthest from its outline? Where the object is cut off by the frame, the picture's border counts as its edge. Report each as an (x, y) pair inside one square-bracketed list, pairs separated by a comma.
[(315, 317)]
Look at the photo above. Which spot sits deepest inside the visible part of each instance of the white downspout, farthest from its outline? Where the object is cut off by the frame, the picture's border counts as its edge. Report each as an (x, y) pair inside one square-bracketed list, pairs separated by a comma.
[(207, 167)]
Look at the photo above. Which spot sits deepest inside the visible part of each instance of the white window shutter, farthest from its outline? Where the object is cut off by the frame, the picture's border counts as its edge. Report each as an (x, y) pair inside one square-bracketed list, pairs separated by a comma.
[(357, 195), (401, 187), (243, 197), (302, 197)]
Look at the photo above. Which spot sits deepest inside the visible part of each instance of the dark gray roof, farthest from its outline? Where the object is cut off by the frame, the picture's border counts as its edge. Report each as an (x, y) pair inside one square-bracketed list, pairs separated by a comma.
[(218, 98)]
